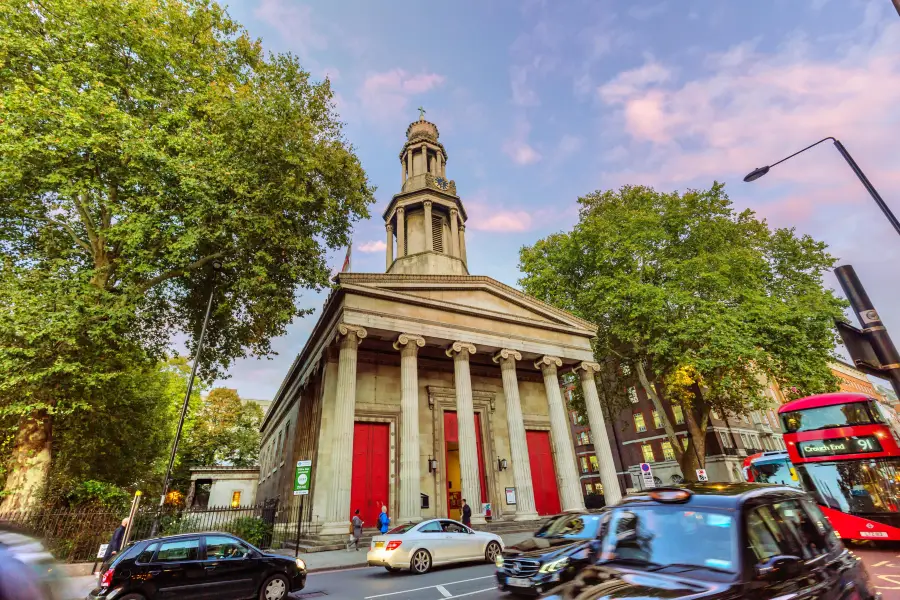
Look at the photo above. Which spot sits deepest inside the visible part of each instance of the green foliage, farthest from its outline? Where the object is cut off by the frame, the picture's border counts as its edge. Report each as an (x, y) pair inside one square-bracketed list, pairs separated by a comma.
[(252, 529), (140, 142), (710, 302), (100, 494), (222, 430)]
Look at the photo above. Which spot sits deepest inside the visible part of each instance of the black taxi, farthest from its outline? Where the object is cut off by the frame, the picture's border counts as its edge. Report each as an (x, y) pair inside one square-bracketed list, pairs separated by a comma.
[(718, 541)]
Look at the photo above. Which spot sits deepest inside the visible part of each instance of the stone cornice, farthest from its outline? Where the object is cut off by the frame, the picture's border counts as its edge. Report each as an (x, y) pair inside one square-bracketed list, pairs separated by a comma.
[(463, 282), (436, 392), (413, 197)]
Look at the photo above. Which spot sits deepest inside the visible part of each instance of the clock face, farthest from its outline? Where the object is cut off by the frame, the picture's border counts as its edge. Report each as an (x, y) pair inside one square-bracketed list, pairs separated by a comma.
[(442, 183)]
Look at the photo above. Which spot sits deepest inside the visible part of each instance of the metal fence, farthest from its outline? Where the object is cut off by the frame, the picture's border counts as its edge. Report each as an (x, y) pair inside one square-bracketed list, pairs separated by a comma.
[(75, 534)]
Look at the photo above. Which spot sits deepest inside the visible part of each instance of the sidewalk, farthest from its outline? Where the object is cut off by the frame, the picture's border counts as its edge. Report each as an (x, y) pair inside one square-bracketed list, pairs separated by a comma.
[(342, 559)]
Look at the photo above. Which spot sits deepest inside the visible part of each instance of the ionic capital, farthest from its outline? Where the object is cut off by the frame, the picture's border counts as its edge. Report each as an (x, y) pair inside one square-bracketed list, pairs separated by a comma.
[(462, 227), (400, 210), (548, 362), (505, 354), (352, 332), (459, 348), (389, 227), (453, 212), (427, 204), (588, 367), (409, 340)]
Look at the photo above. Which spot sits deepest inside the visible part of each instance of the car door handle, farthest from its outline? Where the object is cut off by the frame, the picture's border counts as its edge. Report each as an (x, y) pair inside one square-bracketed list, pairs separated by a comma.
[(211, 568), (155, 573)]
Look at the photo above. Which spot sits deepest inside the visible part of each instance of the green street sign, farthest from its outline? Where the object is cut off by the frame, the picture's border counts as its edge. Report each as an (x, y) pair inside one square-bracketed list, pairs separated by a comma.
[(302, 477)]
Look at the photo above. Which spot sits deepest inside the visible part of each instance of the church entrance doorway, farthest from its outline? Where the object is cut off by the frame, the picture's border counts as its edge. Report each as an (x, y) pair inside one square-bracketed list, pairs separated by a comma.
[(451, 460), (371, 468), (543, 473)]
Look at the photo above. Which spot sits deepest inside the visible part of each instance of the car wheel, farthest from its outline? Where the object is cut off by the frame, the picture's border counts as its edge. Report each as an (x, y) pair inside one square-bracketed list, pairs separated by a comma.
[(491, 552), (275, 587), (421, 562), (393, 570)]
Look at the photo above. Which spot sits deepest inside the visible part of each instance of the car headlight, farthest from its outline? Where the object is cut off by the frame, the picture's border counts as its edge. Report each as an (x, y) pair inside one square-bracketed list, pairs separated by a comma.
[(301, 564), (499, 561), (556, 565)]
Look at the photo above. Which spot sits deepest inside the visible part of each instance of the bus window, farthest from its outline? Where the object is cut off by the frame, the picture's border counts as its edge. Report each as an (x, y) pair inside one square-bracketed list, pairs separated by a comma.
[(827, 417), (855, 487)]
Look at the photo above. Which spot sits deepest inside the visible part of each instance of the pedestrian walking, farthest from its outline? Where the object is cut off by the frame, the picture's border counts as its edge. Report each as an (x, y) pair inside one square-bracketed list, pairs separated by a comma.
[(467, 514), (383, 520), (356, 525), (115, 542)]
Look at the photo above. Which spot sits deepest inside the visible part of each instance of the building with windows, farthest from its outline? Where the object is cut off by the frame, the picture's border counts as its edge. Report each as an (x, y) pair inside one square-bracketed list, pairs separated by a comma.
[(854, 380), (424, 385)]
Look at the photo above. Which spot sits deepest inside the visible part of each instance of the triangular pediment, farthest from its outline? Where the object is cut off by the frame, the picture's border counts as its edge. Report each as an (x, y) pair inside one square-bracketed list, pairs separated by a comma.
[(466, 294)]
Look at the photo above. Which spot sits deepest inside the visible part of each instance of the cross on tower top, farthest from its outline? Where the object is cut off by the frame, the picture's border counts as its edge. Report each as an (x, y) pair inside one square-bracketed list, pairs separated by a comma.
[(421, 114)]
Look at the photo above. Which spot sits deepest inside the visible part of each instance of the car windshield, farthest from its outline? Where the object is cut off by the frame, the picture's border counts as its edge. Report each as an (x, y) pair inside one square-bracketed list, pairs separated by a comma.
[(854, 486), (775, 472), (402, 528), (826, 417), (660, 535), (578, 527)]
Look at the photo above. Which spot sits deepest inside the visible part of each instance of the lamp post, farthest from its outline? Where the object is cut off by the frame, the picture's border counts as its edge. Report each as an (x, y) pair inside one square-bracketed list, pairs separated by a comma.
[(757, 173), (184, 407)]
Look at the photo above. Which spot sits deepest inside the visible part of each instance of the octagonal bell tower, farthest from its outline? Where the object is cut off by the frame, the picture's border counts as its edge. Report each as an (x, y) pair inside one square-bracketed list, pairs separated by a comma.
[(425, 222)]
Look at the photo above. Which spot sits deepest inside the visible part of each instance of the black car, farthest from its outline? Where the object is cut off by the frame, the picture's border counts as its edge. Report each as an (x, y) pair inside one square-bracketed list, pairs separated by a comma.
[(717, 541), (199, 565), (553, 555)]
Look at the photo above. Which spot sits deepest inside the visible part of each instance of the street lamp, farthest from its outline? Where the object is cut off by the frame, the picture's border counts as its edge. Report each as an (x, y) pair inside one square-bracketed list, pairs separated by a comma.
[(757, 173), (216, 265)]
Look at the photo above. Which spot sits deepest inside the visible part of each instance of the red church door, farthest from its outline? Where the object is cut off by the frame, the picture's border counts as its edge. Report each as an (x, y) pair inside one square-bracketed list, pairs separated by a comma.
[(371, 468), (543, 472)]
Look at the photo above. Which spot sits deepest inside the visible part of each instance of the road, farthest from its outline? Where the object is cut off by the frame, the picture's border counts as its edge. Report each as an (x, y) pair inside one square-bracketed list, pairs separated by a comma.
[(475, 581), (883, 564)]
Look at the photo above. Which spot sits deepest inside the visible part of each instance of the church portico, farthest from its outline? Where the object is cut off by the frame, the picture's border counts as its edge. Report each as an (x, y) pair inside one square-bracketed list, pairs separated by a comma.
[(425, 385)]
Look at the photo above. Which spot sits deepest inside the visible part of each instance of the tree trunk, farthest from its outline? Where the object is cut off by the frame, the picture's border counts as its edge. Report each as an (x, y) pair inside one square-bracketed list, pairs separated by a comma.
[(696, 417), (663, 415), (29, 465)]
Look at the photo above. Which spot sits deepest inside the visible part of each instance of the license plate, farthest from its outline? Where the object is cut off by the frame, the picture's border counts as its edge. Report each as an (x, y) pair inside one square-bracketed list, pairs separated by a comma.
[(518, 582), (873, 534), (379, 544)]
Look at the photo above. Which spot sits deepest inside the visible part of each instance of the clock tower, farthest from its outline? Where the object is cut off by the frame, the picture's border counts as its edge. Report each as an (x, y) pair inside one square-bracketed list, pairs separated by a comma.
[(425, 222)]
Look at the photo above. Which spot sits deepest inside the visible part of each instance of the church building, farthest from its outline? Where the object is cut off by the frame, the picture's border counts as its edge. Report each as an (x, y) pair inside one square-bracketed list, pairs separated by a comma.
[(425, 385)]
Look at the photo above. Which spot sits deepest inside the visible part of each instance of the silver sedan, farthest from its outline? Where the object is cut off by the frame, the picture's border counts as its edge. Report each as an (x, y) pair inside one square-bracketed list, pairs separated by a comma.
[(420, 546)]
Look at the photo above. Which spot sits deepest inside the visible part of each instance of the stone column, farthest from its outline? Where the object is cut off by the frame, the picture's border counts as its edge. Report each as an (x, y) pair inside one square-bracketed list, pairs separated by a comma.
[(409, 163), (462, 242), (425, 158), (401, 232), (611, 491), (402, 174), (410, 489), (468, 442), (454, 232), (563, 451), (518, 446), (338, 510), (429, 238), (389, 256)]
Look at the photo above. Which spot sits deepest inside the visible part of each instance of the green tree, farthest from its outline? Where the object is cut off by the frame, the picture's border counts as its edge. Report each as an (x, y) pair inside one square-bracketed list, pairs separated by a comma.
[(697, 303), (223, 430), (140, 142)]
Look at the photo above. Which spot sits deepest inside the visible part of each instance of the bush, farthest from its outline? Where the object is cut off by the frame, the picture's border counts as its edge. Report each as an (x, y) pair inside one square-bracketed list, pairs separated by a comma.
[(99, 493), (253, 529)]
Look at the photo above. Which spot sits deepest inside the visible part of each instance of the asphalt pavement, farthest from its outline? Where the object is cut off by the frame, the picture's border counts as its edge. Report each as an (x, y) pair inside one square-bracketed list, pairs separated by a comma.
[(883, 564), (474, 581)]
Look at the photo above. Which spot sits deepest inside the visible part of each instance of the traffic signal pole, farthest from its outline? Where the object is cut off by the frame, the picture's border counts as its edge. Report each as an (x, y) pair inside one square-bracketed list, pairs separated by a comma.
[(871, 348)]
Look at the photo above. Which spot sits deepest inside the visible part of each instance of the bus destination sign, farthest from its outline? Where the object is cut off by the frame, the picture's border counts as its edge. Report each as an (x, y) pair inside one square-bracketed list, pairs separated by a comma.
[(839, 446)]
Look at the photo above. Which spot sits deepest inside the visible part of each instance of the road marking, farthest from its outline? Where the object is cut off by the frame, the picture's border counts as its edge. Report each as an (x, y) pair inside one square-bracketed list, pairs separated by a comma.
[(889, 579), (432, 587), (443, 591), (490, 589), (881, 564)]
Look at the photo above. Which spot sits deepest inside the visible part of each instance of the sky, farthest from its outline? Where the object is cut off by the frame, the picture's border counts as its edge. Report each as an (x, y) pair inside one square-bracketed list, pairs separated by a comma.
[(539, 102)]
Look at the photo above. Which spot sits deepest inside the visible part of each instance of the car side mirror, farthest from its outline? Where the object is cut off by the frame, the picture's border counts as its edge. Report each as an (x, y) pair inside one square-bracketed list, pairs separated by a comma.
[(779, 568)]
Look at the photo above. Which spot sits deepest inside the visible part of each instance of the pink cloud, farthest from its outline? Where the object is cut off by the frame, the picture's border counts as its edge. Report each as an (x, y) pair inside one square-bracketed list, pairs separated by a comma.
[(517, 146), (386, 95), (372, 246), (486, 214), (753, 108)]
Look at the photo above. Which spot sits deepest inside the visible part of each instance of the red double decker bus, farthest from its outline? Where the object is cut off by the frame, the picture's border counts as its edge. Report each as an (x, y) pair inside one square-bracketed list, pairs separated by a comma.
[(848, 458)]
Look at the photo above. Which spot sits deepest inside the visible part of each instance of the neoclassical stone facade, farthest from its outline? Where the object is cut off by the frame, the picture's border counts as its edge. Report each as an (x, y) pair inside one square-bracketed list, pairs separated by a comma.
[(424, 385)]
